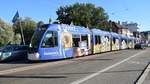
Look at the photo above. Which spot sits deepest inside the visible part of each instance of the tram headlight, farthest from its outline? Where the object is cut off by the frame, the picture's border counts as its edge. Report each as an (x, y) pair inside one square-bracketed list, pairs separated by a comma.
[(33, 56), (37, 55)]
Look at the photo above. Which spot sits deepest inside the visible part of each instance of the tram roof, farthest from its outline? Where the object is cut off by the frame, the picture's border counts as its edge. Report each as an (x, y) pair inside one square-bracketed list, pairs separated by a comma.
[(100, 32), (131, 37), (113, 34), (124, 36), (69, 28)]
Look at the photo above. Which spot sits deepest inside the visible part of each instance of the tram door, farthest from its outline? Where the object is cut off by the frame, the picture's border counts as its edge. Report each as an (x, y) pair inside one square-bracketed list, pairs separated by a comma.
[(76, 45), (84, 44), (81, 44)]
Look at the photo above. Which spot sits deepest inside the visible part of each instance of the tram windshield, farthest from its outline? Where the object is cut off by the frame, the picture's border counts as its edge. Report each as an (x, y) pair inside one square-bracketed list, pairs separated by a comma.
[(37, 36)]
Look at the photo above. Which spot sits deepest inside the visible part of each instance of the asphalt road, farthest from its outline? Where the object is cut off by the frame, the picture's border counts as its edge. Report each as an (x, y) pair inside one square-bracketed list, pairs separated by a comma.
[(118, 67)]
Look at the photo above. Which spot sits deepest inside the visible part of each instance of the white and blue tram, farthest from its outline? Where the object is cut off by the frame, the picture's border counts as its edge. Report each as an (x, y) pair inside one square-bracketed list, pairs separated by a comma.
[(60, 41)]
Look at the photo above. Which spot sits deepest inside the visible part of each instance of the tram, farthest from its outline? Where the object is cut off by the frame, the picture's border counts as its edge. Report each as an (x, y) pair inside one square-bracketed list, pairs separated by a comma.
[(60, 41)]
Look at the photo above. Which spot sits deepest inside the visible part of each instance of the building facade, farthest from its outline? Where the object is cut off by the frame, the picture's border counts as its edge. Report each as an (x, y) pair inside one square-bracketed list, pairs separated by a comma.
[(145, 36), (132, 28)]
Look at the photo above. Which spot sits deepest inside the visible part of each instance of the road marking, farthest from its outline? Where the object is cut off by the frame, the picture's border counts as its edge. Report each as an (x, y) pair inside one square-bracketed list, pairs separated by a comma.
[(144, 75), (137, 62), (103, 70)]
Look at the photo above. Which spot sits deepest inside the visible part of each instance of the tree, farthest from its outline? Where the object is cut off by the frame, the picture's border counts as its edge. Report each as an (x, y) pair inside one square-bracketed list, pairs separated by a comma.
[(82, 14), (28, 26), (6, 33)]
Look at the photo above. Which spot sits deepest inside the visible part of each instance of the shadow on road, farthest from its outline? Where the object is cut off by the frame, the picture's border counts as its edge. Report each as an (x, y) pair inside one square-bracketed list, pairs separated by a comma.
[(31, 76), (17, 62), (25, 61)]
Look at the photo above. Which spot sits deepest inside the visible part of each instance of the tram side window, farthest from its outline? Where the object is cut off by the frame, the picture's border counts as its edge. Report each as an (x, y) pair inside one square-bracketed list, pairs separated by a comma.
[(50, 39), (84, 38), (97, 39), (126, 40), (76, 40), (114, 40)]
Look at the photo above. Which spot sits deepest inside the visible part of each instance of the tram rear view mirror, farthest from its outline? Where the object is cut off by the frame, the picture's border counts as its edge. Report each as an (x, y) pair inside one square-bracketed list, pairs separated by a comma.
[(39, 24)]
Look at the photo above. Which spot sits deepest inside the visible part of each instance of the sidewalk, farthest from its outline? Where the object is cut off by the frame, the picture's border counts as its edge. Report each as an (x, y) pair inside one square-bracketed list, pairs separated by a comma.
[(145, 77)]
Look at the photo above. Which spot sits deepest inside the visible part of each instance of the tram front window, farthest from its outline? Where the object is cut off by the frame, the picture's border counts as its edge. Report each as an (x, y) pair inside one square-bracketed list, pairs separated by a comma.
[(50, 39), (36, 38), (35, 41)]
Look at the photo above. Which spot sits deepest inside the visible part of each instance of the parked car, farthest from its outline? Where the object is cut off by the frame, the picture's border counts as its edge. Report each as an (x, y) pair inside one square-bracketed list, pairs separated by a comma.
[(148, 44), (139, 46), (13, 52)]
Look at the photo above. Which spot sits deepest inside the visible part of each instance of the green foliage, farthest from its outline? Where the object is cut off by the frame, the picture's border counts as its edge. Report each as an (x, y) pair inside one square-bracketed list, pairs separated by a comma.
[(6, 33), (82, 14), (17, 39), (28, 26)]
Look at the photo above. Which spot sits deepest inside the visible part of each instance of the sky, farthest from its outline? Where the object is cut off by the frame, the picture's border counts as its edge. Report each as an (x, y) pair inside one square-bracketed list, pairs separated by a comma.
[(41, 10)]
